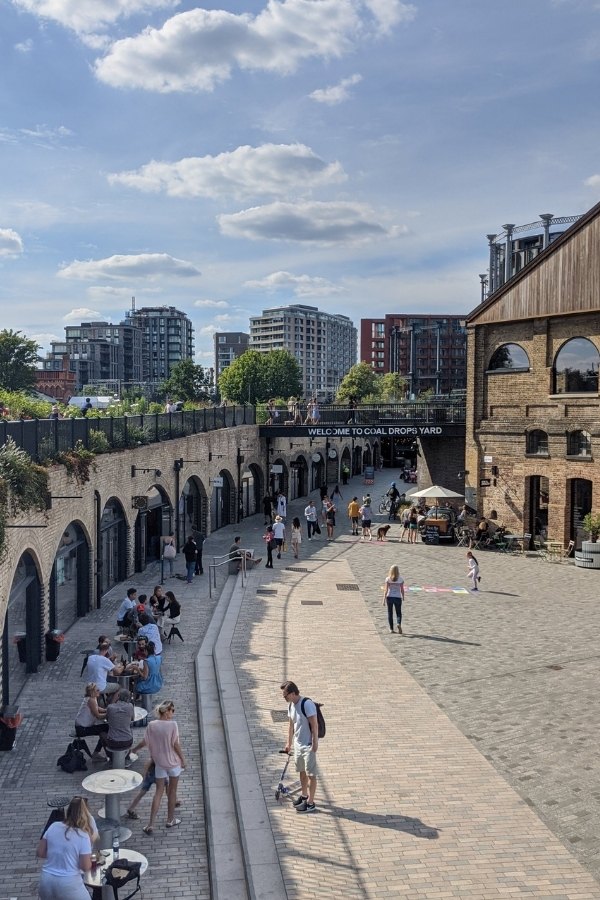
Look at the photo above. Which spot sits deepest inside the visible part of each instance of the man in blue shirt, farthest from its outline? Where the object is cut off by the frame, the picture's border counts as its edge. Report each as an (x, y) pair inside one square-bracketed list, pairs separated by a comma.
[(128, 605)]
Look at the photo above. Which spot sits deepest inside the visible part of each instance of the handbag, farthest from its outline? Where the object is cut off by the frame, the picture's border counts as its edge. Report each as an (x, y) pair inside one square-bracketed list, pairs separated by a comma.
[(169, 552), (121, 872)]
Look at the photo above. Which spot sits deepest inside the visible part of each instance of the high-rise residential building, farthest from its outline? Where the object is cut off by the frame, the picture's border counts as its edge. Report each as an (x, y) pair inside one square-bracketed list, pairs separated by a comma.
[(99, 353), (323, 343), (228, 346), (167, 338), (429, 351)]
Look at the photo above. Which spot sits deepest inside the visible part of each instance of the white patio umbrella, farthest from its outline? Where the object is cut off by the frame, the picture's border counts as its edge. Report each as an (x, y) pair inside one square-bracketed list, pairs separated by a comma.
[(437, 492)]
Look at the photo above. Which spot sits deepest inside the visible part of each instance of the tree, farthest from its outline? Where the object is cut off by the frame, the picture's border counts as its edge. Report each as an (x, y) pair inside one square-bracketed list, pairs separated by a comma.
[(255, 377), (392, 387), (18, 358), (360, 382), (187, 381)]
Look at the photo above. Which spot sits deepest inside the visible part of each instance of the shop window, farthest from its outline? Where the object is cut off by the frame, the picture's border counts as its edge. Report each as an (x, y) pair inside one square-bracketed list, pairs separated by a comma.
[(537, 442), (579, 443), (509, 358), (576, 367)]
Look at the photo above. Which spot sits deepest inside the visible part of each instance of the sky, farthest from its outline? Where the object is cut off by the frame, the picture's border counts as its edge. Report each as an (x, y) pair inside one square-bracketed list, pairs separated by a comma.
[(233, 156)]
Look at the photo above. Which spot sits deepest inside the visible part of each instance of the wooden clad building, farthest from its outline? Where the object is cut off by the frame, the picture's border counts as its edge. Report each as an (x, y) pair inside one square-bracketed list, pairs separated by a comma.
[(533, 410)]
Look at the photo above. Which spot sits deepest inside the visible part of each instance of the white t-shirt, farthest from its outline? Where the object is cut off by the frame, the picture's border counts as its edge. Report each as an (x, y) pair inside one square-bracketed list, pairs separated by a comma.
[(302, 732), (98, 667), (279, 530), (152, 633), (124, 608), (64, 849), (281, 506), (393, 588), (310, 513)]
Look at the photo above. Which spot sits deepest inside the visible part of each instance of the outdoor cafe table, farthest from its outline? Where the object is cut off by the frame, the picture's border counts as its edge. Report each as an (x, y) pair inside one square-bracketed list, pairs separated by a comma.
[(111, 783), (94, 877), (513, 539), (139, 713)]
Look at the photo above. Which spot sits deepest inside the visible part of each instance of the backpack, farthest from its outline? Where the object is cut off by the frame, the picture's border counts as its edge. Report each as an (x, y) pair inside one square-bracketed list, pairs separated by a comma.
[(72, 760), (121, 872), (321, 727)]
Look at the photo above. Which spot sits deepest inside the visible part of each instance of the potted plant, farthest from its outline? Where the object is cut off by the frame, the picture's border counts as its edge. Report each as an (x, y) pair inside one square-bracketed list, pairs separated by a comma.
[(54, 639), (591, 523), (10, 719)]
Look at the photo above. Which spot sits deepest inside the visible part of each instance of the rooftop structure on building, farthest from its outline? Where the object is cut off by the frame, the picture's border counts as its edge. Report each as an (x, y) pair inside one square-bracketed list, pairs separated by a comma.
[(517, 245), (428, 350), (167, 338), (55, 376), (228, 346), (323, 343)]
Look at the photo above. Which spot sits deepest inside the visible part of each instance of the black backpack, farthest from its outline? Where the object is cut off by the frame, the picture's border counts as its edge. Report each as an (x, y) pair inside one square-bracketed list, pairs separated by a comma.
[(321, 727), (121, 872), (72, 760)]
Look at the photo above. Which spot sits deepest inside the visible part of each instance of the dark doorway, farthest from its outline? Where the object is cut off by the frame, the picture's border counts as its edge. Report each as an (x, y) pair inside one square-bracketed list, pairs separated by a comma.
[(539, 493), (581, 505), (70, 579), (112, 552), (21, 655)]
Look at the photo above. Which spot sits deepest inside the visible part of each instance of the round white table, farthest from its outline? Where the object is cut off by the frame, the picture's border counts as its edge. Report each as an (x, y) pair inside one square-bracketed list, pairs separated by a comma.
[(139, 713), (112, 783), (94, 878)]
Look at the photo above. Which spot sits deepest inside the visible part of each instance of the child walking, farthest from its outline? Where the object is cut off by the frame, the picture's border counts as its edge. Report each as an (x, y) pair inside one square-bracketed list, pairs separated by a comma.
[(473, 572), (296, 536), (393, 595), (269, 539)]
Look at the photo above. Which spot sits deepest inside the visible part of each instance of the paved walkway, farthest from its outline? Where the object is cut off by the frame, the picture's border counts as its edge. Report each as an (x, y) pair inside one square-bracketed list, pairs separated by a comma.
[(459, 760)]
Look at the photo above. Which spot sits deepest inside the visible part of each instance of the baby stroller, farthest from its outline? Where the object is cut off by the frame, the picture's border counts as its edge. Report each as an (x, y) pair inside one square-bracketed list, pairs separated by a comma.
[(284, 791)]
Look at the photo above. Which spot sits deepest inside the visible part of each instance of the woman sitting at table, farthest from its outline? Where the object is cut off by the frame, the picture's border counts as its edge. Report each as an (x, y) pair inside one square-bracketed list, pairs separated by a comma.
[(150, 680), (66, 848), (172, 613), (91, 718)]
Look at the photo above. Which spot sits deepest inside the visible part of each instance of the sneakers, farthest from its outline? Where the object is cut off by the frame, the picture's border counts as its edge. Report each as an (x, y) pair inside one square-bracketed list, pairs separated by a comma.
[(306, 807), (300, 800), (399, 629)]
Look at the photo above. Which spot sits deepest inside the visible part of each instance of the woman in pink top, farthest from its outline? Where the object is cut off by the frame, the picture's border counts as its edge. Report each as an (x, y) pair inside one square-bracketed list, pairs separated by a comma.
[(162, 740)]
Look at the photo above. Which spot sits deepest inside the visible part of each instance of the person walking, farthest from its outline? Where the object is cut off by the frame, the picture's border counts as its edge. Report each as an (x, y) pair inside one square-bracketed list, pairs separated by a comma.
[(199, 537), (303, 742), (282, 505), (365, 519), (393, 595), (404, 518), (336, 495), (268, 509), (310, 514), (394, 495), (296, 536), (269, 539), (353, 514), (66, 848), (162, 740), (169, 551), (473, 572), (345, 474), (190, 550), (279, 532), (330, 520), (413, 523)]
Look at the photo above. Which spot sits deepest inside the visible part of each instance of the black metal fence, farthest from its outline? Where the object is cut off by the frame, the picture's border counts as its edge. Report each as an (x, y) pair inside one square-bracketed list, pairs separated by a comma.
[(42, 438), (431, 412)]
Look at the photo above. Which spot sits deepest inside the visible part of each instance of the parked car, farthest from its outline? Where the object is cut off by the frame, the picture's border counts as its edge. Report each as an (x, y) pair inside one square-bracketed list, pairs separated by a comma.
[(445, 519)]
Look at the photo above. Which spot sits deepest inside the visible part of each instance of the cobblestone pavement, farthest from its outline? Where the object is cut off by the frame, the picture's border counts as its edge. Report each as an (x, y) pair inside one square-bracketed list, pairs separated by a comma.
[(409, 805), (49, 703)]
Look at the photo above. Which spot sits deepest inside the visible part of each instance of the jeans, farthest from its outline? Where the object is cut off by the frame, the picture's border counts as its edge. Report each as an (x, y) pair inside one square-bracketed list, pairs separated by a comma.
[(191, 568), (170, 563), (311, 528), (394, 603), (83, 731)]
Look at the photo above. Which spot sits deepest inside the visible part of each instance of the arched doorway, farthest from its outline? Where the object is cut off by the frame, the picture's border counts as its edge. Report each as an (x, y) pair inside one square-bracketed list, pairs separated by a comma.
[(537, 491), (150, 525), (317, 471), (193, 510), (279, 478), (223, 504), (298, 478), (366, 460), (580, 504), (112, 552), (346, 463), (70, 578), (22, 633), (332, 476), (356, 467), (250, 490)]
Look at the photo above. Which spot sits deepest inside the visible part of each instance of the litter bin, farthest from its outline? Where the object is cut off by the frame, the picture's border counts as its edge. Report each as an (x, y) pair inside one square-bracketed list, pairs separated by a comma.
[(10, 719), (20, 639), (54, 639)]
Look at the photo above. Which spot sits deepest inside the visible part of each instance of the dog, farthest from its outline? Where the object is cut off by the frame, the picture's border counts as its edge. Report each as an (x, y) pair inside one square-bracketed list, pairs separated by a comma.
[(382, 532)]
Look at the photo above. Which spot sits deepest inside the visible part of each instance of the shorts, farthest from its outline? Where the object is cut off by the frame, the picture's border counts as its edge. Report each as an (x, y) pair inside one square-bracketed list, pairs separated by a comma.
[(305, 760), (366, 523), (173, 772)]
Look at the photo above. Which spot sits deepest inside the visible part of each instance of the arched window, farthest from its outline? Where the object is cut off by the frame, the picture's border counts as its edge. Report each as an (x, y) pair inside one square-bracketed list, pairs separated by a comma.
[(537, 442), (576, 367), (579, 443), (508, 358)]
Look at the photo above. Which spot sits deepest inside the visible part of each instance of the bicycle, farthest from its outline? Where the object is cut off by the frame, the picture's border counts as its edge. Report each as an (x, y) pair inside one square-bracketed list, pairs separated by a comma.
[(385, 504)]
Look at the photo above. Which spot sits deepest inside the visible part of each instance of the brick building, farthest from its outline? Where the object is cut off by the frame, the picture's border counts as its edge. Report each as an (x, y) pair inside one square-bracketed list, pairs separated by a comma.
[(533, 417)]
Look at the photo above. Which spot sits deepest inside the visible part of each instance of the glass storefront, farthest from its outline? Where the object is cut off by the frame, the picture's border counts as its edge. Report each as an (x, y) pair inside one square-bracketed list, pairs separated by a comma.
[(22, 635), (113, 546), (69, 583)]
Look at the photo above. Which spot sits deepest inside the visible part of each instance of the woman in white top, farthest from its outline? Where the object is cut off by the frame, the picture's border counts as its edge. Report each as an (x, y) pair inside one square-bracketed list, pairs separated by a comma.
[(66, 849), (473, 572), (393, 595), (296, 536)]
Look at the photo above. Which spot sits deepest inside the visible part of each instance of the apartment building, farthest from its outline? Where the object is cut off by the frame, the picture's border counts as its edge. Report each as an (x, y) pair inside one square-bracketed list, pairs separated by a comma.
[(228, 346), (167, 336)]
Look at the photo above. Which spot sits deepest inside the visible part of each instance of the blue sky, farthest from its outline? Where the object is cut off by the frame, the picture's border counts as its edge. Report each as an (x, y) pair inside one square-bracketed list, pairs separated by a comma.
[(228, 157)]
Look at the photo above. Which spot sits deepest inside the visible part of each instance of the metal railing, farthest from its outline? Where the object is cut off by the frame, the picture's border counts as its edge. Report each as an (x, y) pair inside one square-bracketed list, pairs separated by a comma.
[(380, 414), (227, 558), (42, 438)]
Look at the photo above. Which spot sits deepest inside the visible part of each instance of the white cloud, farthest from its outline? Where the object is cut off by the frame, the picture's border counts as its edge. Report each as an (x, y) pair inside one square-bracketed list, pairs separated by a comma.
[(310, 222), (142, 265), (83, 314), (11, 243), (87, 16), (211, 304), (197, 49), (24, 46), (301, 285), (337, 93), (271, 169), (44, 338), (593, 181)]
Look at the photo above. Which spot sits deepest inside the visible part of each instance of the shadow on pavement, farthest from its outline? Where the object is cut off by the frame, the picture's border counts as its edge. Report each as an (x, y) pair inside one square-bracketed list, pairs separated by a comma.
[(409, 824), (445, 640)]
